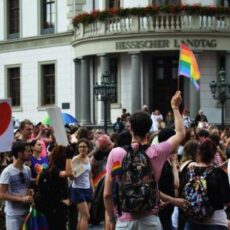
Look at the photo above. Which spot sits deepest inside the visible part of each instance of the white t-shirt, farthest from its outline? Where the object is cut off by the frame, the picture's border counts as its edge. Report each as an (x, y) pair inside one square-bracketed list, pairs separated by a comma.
[(83, 181), (18, 184), (156, 121)]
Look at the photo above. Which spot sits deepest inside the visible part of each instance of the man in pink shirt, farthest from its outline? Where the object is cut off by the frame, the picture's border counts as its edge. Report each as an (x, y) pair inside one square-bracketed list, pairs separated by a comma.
[(140, 125)]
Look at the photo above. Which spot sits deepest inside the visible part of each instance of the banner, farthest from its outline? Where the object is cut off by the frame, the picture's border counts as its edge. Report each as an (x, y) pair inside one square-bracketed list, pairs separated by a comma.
[(58, 125), (6, 125)]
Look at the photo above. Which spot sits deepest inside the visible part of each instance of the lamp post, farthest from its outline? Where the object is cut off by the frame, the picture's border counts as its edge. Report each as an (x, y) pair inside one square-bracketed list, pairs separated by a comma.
[(221, 91), (106, 92)]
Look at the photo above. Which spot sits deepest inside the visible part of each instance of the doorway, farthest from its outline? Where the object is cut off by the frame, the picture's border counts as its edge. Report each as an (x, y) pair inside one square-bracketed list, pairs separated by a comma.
[(164, 82)]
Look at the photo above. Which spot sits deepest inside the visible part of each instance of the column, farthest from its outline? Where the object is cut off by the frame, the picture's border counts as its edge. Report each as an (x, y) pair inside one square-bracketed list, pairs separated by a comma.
[(227, 69), (77, 88), (104, 63), (135, 82), (194, 95), (85, 92)]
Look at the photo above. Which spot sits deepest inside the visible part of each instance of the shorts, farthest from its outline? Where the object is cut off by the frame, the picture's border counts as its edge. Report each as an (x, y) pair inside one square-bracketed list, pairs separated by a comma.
[(151, 222), (79, 195), (14, 222)]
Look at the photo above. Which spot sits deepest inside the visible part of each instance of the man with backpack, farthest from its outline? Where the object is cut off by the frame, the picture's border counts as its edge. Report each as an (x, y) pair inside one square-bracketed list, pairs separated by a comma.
[(132, 175)]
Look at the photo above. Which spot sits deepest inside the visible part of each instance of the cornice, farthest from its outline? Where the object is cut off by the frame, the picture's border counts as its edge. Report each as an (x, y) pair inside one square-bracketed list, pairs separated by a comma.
[(46, 41)]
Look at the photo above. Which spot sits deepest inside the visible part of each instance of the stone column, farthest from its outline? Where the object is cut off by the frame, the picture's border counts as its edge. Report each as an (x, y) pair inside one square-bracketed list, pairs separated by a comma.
[(85, 92), (77, 87), (104, 62), (194, 96), (227, 104), (135, 82)]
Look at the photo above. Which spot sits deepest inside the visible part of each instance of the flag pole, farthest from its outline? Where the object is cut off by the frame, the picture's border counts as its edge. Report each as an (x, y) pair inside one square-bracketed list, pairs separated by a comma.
[(178, 75), (178, 82)]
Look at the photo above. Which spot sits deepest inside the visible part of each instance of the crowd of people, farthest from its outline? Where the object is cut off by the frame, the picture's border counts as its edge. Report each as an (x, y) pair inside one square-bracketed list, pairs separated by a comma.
[(140, 176)]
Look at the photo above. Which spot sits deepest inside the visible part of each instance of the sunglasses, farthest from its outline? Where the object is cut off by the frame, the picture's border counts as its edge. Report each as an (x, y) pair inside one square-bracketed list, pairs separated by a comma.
[(22, 177)]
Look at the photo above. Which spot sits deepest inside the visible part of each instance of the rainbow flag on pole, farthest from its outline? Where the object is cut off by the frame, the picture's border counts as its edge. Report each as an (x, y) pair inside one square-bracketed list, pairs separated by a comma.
[(188, 65)]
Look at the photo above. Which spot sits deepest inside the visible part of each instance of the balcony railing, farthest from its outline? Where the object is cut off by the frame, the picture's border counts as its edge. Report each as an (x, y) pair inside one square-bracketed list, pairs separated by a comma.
[(158, 23)]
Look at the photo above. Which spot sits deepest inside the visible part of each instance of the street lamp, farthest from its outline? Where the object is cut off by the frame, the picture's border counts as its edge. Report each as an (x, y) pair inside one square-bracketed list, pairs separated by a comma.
[(106, 92), (221, 91)]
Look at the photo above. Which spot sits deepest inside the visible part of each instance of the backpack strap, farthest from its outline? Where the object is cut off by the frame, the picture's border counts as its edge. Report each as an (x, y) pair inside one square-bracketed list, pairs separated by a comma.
[(208, 171), (204, 174)]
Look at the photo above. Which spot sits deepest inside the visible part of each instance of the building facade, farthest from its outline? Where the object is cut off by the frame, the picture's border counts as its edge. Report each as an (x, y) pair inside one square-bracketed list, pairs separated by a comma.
[(47, 61)]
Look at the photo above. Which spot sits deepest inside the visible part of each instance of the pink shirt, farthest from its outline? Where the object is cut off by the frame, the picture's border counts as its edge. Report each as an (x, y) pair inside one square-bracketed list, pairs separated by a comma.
[(158, 154)]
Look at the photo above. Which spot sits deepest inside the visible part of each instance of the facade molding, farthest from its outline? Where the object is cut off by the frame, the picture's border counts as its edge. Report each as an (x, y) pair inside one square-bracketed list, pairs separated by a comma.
[(150, 42), (37, 42)]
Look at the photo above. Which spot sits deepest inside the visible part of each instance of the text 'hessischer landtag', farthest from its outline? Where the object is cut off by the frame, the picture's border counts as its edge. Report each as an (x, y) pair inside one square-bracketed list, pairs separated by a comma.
[(165, 43)]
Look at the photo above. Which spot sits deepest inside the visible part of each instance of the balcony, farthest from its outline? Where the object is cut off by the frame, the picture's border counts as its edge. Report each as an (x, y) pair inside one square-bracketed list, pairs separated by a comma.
[(163, 23), (160, 19)]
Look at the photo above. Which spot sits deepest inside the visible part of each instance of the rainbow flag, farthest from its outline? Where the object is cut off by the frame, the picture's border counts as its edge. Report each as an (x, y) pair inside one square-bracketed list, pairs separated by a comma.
[(98, 178), (188, 65), (35, 220), (117, 169)]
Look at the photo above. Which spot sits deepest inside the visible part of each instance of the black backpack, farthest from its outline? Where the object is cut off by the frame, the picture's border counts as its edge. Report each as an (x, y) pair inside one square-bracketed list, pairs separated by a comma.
[(137, 188), (45, 197)]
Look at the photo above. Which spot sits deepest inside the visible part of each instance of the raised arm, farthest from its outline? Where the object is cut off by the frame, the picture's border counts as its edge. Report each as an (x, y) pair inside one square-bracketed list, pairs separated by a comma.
[(179, 125)]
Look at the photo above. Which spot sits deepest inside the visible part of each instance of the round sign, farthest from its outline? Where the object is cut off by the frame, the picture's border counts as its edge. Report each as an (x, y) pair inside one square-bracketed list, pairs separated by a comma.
[(5, 116)]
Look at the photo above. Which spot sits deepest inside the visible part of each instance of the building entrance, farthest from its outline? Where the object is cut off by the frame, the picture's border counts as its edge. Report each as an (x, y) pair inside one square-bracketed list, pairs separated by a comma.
[(164, 82)]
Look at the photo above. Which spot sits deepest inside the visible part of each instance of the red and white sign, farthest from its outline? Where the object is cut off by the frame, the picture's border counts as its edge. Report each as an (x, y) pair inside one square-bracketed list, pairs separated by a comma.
[(6, 125)]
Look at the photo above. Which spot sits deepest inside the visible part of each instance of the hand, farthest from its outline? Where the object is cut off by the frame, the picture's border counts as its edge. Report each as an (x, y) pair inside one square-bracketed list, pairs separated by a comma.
[(27, 199), (163, 204), (176, 100), (181, 203)]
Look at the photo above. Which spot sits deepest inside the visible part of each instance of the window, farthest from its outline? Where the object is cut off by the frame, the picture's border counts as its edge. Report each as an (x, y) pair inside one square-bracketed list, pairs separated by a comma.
[(47, 84), (114, 4), (13, 17), (165, 2), (48, 16), (113, 69), (13, 85)]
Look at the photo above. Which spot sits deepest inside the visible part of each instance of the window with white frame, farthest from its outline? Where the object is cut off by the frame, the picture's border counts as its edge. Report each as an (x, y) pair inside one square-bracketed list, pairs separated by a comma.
[(13, 85), (48, 15), (13, 19), (47, 84)]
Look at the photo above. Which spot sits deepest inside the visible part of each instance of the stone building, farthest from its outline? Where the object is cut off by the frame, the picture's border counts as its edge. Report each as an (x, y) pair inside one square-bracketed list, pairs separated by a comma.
[(46, 60)]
